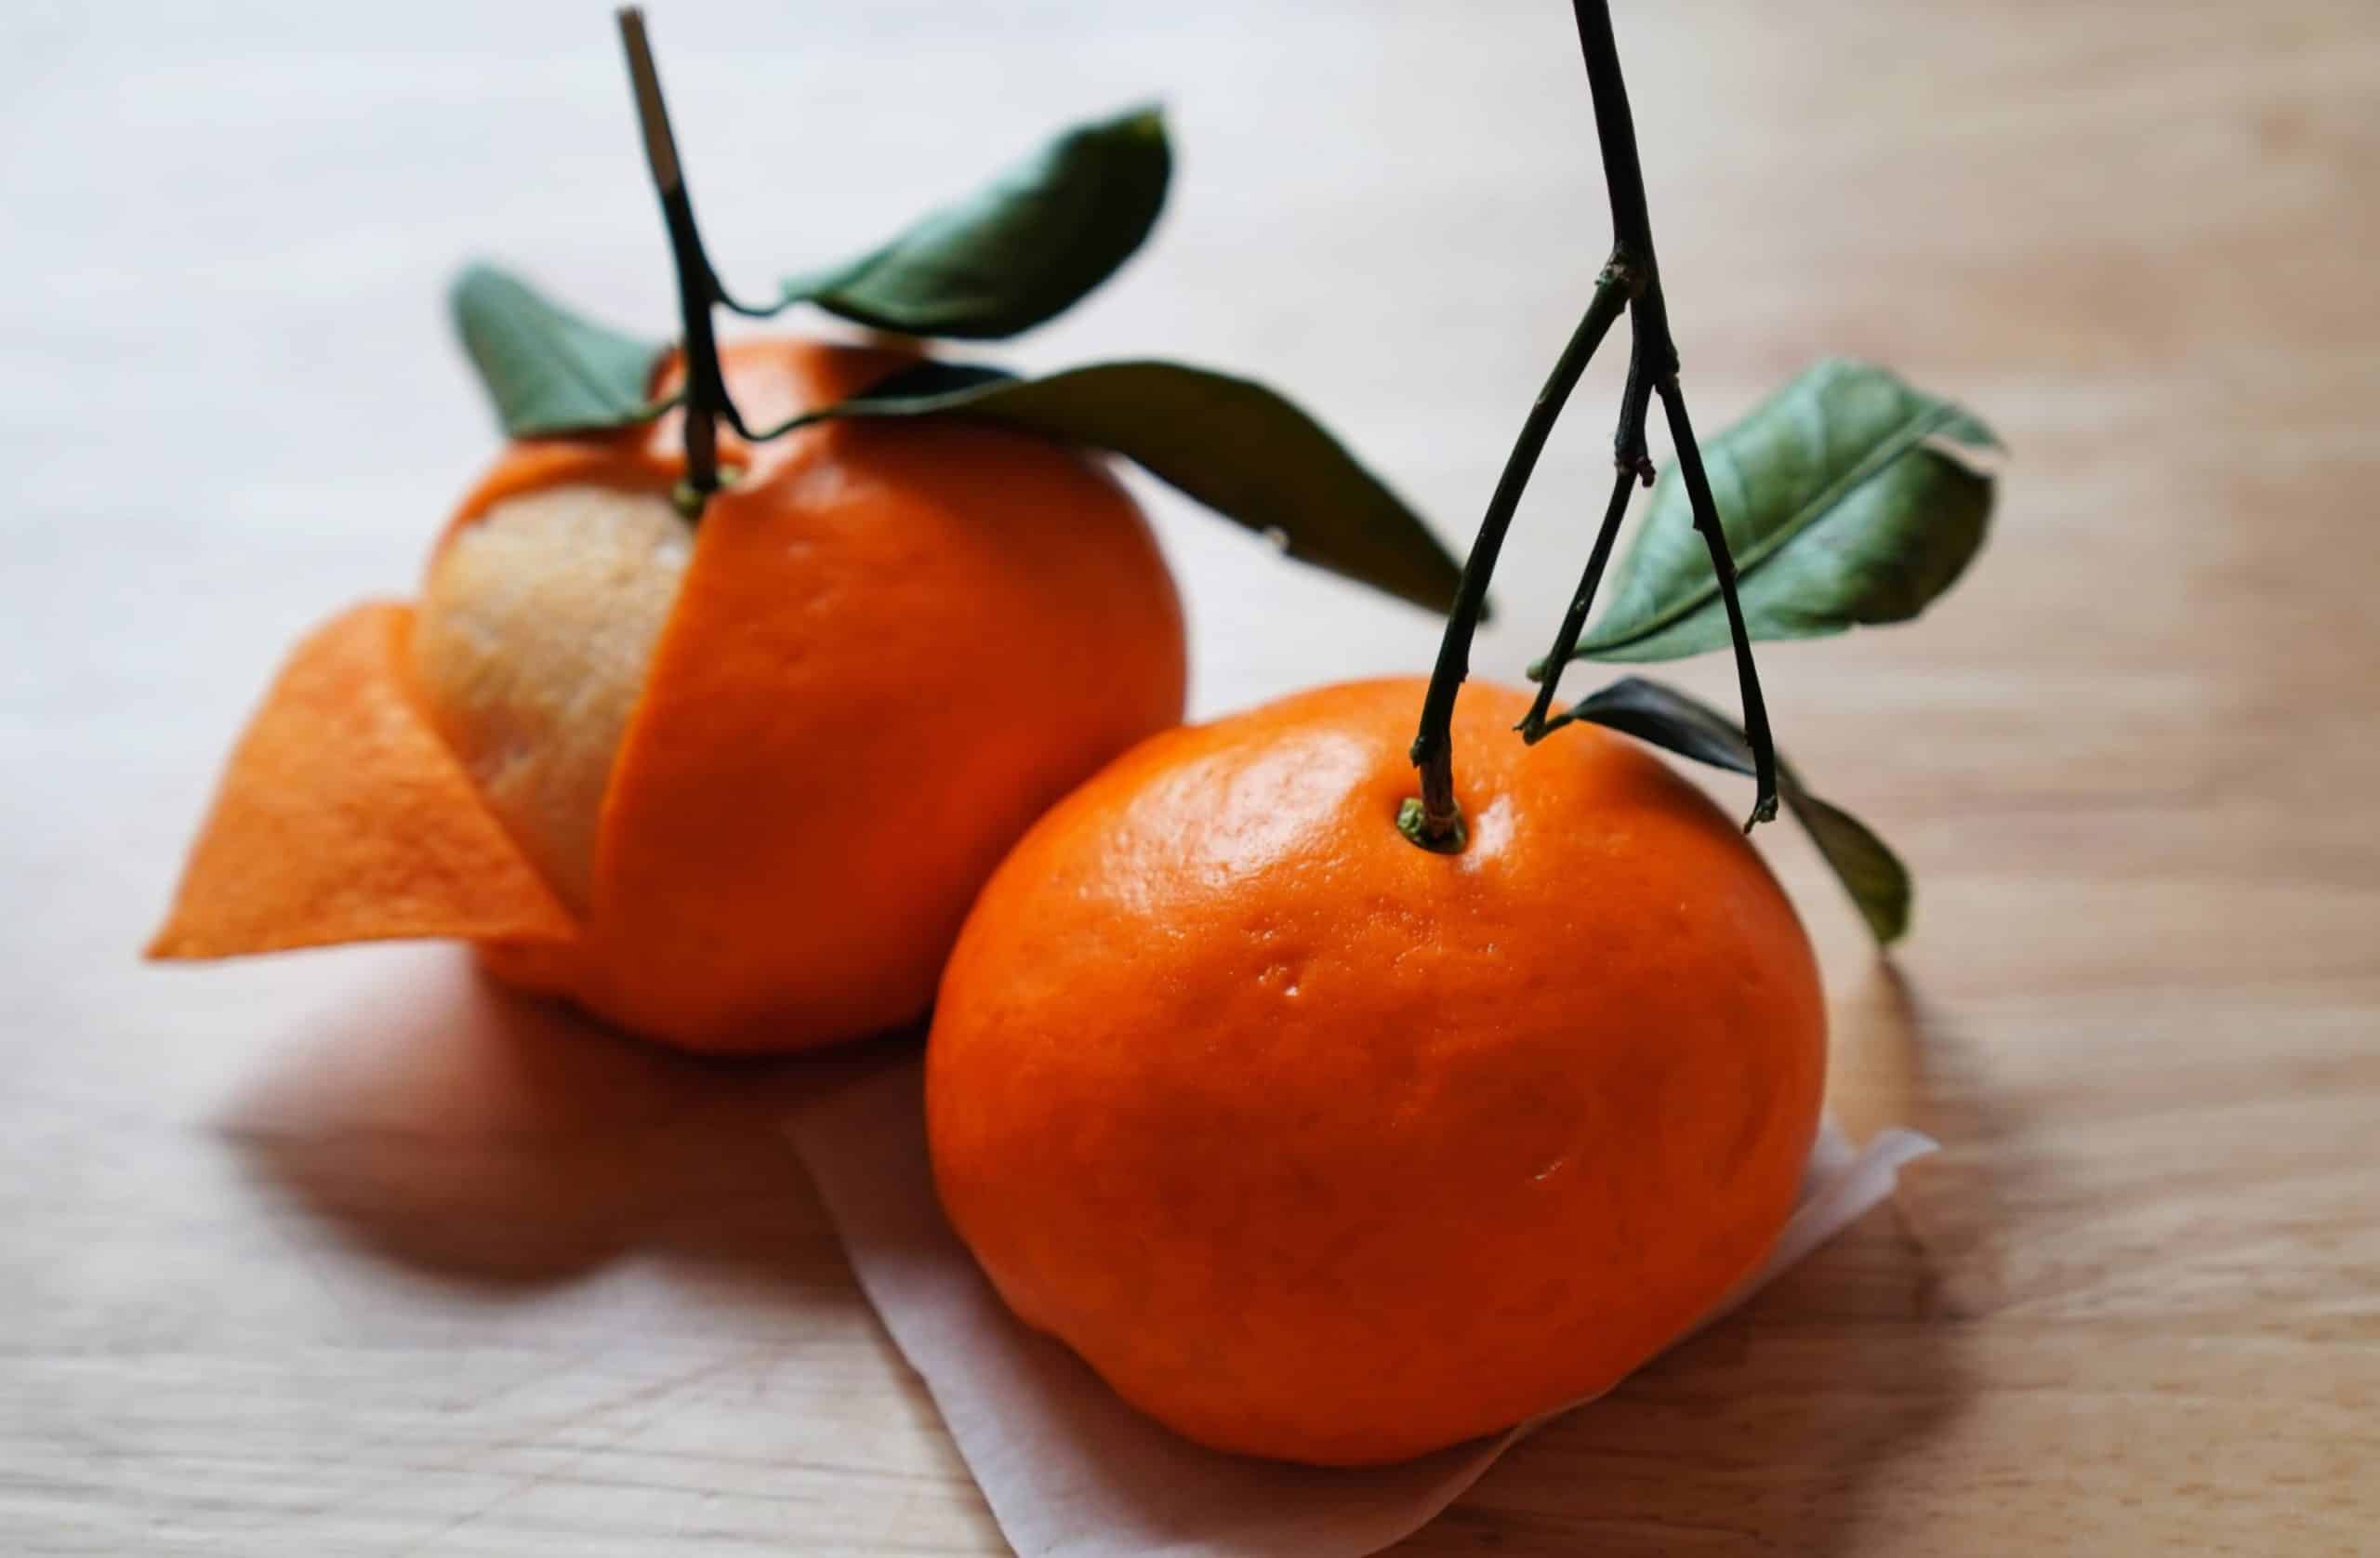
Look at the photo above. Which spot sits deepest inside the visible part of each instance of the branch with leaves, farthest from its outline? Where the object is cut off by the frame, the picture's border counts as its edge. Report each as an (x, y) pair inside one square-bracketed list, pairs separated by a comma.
[(1031, 244), (1847, 499)]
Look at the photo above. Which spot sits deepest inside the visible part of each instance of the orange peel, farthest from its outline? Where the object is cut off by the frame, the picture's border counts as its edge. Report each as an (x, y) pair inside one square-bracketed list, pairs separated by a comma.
[(342, 817)]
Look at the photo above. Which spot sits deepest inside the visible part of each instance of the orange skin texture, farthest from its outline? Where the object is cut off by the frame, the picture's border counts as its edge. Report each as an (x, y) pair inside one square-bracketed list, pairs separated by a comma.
[(895, 643), (1322, 1147), (342, 817)]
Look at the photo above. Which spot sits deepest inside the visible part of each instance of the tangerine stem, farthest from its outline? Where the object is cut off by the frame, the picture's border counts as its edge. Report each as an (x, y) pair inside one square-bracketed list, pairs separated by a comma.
[(1648, 317), (1631, 281), (706, 401), (1436, 824), (1533, 727), (1633, 466)]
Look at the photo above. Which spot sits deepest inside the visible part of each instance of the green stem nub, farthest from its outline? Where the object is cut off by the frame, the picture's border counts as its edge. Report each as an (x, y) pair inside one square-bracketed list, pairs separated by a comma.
[(1447, 838)]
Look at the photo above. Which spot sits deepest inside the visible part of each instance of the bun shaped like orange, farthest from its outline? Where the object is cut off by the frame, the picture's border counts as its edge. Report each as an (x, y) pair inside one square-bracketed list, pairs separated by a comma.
[(1321, 1146), (731, 784)]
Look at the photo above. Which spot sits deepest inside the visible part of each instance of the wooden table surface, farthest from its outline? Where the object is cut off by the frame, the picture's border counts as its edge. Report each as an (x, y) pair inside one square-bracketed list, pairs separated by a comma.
[(343, 1254)]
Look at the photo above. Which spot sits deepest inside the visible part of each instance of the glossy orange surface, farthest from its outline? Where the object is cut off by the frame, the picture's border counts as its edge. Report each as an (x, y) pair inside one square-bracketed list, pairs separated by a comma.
[(894, 645), (1321, 1146)]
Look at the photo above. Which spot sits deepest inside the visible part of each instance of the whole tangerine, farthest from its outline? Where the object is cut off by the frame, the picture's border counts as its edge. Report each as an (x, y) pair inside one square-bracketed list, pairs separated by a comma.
[(1325, 1147)]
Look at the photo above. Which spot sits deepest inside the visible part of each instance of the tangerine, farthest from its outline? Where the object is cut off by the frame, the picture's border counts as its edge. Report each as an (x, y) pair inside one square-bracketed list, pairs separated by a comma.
[(754, 769), (1321, 1146)]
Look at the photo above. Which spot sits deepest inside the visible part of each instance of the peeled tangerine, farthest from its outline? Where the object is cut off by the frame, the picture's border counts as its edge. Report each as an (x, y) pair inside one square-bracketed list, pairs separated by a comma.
[(729, 784), (1320, 1146)]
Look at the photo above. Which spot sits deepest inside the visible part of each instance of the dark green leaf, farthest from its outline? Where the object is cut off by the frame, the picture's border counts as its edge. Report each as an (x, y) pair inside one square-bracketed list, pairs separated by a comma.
[(1839, 509), (1877, 881), (547, 370), (1022, 250), (1234, 445), (1651, 711)]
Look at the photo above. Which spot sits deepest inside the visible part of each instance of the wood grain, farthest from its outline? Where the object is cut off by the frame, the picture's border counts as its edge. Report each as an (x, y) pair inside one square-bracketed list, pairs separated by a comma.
[(342, 1254)]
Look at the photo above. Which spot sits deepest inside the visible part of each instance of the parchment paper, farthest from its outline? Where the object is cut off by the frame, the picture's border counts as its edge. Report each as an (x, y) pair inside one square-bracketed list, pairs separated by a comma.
[(1069, 1469)]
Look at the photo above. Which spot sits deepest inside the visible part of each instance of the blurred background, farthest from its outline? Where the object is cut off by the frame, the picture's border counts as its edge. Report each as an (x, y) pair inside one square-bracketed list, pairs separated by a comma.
[(235, 402), (233, 226), (2128, 759)]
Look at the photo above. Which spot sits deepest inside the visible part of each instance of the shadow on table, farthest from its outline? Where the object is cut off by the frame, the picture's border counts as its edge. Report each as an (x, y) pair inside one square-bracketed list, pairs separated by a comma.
[(487, 1140), (440, 1122), (1769, 1433)]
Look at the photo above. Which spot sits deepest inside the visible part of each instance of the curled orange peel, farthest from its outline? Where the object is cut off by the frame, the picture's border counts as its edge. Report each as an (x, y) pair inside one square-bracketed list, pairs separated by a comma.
[(343, 817)]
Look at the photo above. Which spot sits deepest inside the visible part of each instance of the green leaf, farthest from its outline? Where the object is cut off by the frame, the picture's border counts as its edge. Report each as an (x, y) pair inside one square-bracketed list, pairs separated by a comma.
[(547, 370), (1839, 509), (1022, 250), (1878, 882), (1868, 870), (1233, 444)]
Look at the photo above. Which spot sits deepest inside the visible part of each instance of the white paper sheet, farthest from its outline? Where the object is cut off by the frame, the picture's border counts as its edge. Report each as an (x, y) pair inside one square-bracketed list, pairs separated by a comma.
[(1069, 1469)]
